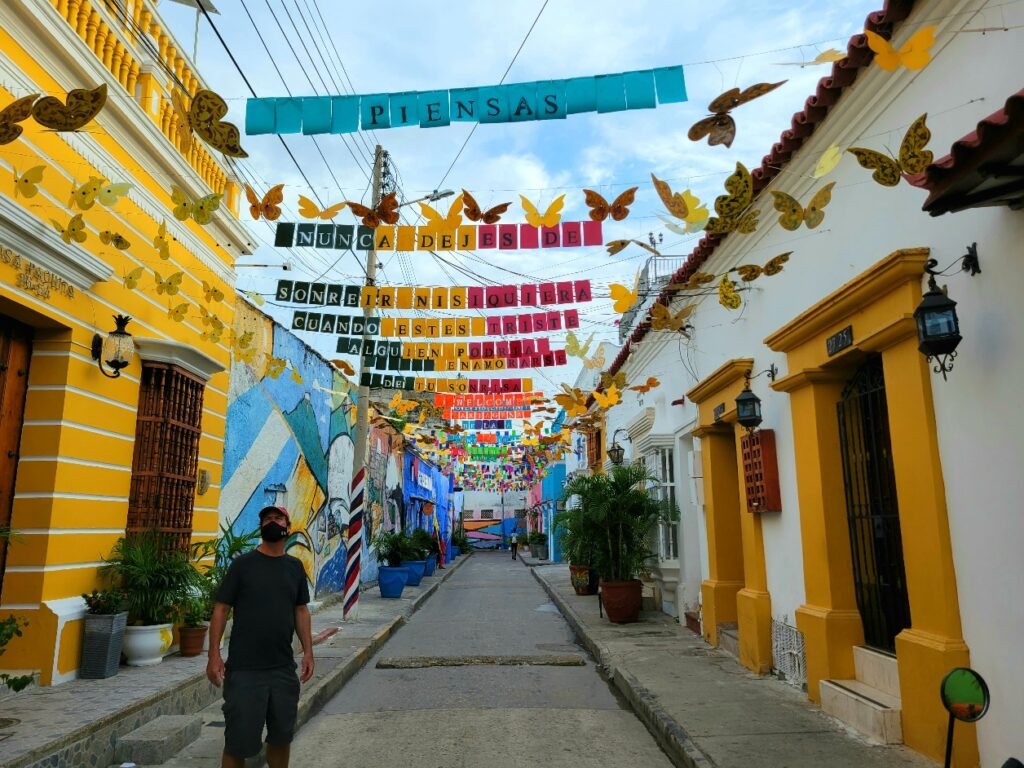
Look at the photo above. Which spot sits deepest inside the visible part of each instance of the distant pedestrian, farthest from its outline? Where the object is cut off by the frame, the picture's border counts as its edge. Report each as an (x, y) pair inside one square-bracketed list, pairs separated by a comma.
[(268, 592), (515, 546)]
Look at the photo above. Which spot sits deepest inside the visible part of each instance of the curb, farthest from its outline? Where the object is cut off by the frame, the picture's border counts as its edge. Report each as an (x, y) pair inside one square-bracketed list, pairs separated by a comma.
[(669, 734)]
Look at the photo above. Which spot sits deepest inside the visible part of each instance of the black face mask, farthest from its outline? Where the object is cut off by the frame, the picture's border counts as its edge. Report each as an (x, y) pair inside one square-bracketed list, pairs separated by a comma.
[(273, 531)]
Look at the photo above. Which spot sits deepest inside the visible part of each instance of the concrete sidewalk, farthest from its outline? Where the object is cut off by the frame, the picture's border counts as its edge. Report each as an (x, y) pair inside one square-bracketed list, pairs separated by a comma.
[(705, 709), (78, 723)]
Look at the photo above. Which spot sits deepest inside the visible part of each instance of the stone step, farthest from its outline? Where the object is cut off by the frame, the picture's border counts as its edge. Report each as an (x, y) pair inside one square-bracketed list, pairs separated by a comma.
[(729, 638), (877, 669), (158, 740), (872, 712)]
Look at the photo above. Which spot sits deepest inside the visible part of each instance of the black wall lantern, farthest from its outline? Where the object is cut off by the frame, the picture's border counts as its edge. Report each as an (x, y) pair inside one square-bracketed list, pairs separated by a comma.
[(116, 349), (748, 405), (938, 328), (616, 453)]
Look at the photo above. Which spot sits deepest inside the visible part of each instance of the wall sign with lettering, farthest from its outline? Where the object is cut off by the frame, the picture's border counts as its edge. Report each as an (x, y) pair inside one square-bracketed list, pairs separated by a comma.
[(839, 341), (34, 279)]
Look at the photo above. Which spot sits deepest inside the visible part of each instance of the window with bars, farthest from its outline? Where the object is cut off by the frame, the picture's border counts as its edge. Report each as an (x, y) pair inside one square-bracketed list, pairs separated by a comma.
[(661, 462), (166, 460), (594, 449), (486, 514)]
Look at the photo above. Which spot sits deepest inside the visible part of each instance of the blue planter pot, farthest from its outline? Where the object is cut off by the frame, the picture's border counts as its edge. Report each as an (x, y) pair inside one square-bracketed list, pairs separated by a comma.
[(392, 580), (431, 564), (415, 571)]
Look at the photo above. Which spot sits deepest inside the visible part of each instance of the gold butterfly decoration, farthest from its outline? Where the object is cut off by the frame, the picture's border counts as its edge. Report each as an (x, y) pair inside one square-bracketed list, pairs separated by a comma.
[(115, 239), (828, 161), (26, 185), (727, 295), (203, 117), (573, 347), (449, 221), (697, 279), (160, 242), (622, 297), (16, 112), (268, 206), (400, 405), (310, 210), (247, 355), (719, 126), (549, 218), (171, 285), (206, 316), (749, 272), (474, 212), (683, 205), (78, 109), (212, 293), (83, 196), (75, 229), (241, 342), (177, 313), (601, 209), (646, 387), (201, 211), (794, 214), (275, 366), (913, 157), (572, 400), (662, 318), (825, 57), (385, 212), (214, 330), (913, 54), (733, 209), (615, 246), (608, 398), (597, 361), (618, 380), (131, 279)]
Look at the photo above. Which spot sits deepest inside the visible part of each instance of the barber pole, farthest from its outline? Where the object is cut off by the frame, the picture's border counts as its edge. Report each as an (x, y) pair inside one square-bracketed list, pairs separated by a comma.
[(355, 541)]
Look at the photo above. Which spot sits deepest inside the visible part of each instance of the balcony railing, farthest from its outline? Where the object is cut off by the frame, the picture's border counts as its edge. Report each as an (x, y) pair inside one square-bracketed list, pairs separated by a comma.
[(656, 274)]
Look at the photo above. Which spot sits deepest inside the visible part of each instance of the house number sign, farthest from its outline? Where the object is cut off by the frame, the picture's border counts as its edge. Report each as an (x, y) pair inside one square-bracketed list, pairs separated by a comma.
[(839, 341), (34, 279)]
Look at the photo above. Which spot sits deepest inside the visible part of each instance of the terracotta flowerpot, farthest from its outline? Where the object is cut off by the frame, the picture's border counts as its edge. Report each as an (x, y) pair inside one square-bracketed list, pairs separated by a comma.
[(579, 577), (621, 600), (190, 640)]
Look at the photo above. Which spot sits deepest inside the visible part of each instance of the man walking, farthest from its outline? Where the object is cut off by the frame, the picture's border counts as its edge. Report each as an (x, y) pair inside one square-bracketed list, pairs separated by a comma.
[(268, 592), (515, 543)]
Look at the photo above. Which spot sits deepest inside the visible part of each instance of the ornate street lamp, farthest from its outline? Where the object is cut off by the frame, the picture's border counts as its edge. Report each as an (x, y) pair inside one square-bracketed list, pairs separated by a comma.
[(116, 349), (748, 405), (616, 453)]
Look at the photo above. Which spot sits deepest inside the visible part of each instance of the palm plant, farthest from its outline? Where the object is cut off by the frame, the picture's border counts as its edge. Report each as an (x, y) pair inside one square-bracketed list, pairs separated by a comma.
[(223, 549)]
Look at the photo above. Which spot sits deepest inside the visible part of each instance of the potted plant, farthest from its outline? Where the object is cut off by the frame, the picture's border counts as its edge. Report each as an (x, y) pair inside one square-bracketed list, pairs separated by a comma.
[(414, 557), (575, 525), (192, 631), (539, 545), (391, 578), (460, 542), (222, 550), (156, 577), (428, 543), (623, 514), (105, 620)]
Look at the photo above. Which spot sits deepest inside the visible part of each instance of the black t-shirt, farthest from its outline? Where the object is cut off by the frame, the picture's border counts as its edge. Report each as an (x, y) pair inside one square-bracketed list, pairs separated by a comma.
[(264, 591)]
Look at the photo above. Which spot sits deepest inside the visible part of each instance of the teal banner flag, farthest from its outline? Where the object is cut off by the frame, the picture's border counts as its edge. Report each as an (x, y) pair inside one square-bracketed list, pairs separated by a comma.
[(516, 102)]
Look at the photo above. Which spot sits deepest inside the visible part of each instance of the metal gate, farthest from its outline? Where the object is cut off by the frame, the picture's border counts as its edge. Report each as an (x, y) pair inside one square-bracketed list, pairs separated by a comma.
[(871, 506)]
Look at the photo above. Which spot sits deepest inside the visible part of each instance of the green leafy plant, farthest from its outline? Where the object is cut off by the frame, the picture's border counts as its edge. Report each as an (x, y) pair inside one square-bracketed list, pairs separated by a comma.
[(424, 541), (105, 602), (390, 547), (192, 612), (461, 540), (412, 549), (11, 627), (538, 538), (522, 539), (223, 549)]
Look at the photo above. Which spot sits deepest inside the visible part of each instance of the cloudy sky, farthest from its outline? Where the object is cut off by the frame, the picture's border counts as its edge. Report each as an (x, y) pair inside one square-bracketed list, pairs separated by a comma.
[(406, 46)]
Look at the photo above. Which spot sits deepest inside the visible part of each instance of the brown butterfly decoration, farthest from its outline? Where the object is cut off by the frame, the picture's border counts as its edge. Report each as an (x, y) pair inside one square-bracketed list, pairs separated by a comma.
[(15, 112), (80, 107), (203, 117), (719, 127), (912, 159), (268, 207), (600, 208), (615, 246), (733, 209), (748, 272), (475, 213), (385, 212)]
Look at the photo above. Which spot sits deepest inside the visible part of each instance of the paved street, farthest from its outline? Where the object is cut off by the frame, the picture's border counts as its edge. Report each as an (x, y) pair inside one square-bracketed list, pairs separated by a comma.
[(484, 714)]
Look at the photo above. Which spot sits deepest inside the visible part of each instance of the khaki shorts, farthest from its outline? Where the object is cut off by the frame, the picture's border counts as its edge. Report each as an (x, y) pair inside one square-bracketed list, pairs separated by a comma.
[(256, 697)]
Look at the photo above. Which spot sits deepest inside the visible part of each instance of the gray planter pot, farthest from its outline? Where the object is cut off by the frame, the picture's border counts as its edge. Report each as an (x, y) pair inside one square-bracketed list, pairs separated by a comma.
[(533, 551), (542, 551), (101, 645)]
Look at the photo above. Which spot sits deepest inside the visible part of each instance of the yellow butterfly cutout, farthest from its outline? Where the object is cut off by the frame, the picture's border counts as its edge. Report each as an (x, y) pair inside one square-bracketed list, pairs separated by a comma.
[(160, 242), (618, 380), (177, 314), (201, 210), (400, 405), (169, 286), (243, 341), (733, 209), (25, 185), (247, 355), (913, 54), (255, 298), (727, 295), (213, 334), (794, 214), (449, 221), (212, 293), (275, 366), (913, 157), (748, 272), (662, 318), (310, 210), (109, 194), (622, 297), (206, 316), (572, 345), (608, 398), (573, 401), (828, 161), (597, 361), (549, 218), (115, 239), (646, 387), (296, 376), (83, 196), (614, 246), (75, 229), (131, 280), (683, 205), (825, 57)]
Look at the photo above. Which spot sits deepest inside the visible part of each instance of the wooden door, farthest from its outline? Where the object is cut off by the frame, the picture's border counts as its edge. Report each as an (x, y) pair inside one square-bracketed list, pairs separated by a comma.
[(15, 352)]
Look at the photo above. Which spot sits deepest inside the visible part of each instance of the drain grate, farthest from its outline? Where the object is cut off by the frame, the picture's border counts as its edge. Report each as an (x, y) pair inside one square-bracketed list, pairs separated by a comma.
[(422, 662)]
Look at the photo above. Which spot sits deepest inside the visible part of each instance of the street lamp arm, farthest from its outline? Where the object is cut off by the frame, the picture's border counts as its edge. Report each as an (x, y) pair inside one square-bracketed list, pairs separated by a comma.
[(431, 198)]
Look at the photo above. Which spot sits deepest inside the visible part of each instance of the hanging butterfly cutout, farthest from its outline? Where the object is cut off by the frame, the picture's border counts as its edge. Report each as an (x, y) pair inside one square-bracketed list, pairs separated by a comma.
[(26, 185), (913, 157), (115, 239), (171, 285), (749, 272), (719, 127), (201, 211), (662, 318), (600, 209), (247, 355), (794, 214), (16, 112), (268, 206), (243, 341), (203, 117), (75, 229), (733, 209), (400, 405), (385, 212), (131, 279), (608, 398), (206, 316), (449, 221), (825, 57), (622, 297), (177, 314), (597, 361), (616, 246), (727, 295), (109, 194), (78, 109), (212, 293), (913, 54), (828, 161), (618, 380), (646, 387), (474, 212), (549, 218), (161, 243), (572, 400), (696, 280), (573, 347), (255, 298), (683, 205), (310, 210), (83, 196)]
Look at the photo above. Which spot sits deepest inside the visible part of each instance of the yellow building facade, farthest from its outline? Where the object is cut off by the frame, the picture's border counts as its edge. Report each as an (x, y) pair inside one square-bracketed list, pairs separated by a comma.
[(77, 467)]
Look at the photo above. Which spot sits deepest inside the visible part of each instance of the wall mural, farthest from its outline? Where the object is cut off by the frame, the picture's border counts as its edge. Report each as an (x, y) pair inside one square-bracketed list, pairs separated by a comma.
[(385, 494), (289, 441)]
